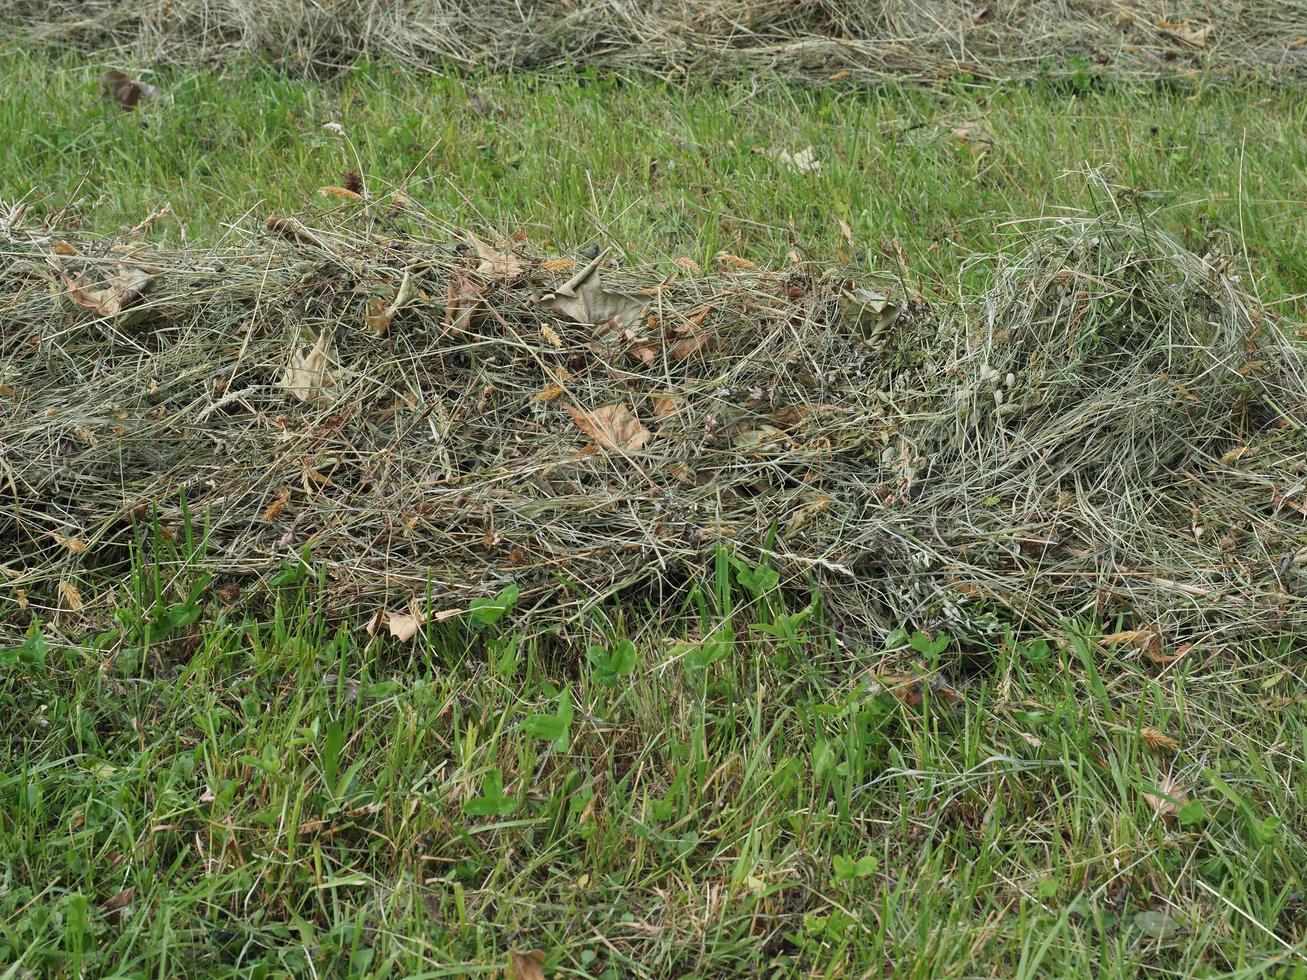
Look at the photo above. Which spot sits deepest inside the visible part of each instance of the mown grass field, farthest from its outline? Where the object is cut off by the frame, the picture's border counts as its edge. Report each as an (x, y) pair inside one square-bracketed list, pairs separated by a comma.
[(212, 788)]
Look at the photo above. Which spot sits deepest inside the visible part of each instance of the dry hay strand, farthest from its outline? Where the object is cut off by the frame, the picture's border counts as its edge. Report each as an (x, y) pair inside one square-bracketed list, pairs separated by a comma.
[(839, 40), (1112, 429)]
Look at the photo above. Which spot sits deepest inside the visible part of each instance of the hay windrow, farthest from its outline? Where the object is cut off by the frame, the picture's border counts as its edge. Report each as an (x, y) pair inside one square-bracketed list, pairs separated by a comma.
[(1112, 428), (840, 40)]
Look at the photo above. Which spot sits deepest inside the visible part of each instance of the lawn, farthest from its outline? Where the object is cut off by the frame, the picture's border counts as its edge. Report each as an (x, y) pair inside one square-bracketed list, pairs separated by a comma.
[(210, 786)]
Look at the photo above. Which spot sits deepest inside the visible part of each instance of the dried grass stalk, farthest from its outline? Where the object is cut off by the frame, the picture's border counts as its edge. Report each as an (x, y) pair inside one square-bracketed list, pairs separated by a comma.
[(859, 41), (1113, 427)]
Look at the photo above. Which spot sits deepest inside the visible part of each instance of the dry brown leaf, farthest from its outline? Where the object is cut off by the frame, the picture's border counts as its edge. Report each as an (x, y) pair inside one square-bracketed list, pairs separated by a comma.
[(127, 92), (1197, 37), (294, 230), (115, 905), (1159, 740), (380, 313), (587, 300), (341, 193), (1148, 641), (1168, 799), (71, 596), (663, 406), (613, 427), (802, 161), (726, 258), (692, 339), (462, 297), (494, 264), (403, 626), (124, 290), (63, 248), (527, 965), (308, 376)]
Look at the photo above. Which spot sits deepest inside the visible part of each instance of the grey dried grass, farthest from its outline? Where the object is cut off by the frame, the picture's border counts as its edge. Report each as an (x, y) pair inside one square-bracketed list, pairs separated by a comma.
[(816, 40), (1112, 429)]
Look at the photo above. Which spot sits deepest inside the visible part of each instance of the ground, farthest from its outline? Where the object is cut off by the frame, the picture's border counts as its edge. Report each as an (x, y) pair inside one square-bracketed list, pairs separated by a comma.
[(265, 795)]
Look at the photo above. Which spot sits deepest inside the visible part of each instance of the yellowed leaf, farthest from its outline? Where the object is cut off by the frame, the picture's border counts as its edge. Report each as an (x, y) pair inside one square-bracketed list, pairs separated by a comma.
[(664, 405), (1168, 799), (494, 264), (1149, 642), (1197, 37), (124, 290), (528, 965), (726, 258), (341, 193), (308, 376), (381, 312), (462, 297), (613, 427)]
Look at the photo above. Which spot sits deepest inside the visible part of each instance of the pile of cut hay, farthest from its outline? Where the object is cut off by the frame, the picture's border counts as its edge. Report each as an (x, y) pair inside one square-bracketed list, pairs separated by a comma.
[(1112, 429), (861, 41)]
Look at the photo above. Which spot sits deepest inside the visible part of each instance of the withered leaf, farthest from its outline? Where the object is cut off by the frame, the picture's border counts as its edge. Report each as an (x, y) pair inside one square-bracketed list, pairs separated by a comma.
[(613, 427), (380, 312), (127, 92), (494, 264), (585, 299), (1149, 642), (403, 626), (124, 290), (528, 965), (308, 376), (1168, 799), (115, 905), (341, 193), (663, 406), (1197, 37), (462, 298)]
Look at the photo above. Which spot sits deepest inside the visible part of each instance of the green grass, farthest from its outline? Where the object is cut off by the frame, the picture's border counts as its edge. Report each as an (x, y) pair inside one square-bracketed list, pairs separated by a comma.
[(662, 172), (267, 791)]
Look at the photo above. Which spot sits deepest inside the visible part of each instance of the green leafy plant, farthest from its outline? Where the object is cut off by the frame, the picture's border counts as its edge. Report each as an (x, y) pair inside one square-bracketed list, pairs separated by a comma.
[(554, 728), (487, 612), (847, 868), (492, 802), (609, 665)]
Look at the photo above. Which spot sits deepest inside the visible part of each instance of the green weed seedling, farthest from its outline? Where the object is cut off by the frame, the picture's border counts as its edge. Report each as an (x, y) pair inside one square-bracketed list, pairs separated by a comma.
[(485, 612), (492, 802), (611, 665), (554, 728)]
